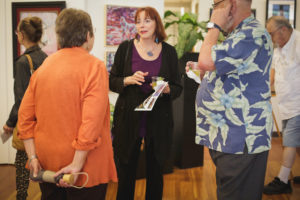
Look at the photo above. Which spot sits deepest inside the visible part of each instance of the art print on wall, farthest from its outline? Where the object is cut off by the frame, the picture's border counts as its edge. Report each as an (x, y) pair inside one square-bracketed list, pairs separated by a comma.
[(285, 8), (48, 12), (109, 59), (120, 24)]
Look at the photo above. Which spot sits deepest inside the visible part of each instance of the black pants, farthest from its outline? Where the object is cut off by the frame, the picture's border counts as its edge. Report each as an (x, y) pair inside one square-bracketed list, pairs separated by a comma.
[(51, 192), (127, 174), (240, 176)]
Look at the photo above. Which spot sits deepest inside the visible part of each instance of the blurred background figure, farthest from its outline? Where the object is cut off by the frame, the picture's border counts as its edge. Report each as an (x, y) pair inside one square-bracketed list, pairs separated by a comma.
[(285, 75), (29, 33), (64, 118)]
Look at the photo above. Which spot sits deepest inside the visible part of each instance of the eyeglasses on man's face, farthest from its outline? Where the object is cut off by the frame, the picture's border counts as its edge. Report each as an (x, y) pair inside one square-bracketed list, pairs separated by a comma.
[(273, 32), (216, 4)]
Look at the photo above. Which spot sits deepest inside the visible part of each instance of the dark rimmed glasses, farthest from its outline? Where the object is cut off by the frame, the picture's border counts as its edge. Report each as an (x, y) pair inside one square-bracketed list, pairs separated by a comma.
[(216, 4), (273, 32)]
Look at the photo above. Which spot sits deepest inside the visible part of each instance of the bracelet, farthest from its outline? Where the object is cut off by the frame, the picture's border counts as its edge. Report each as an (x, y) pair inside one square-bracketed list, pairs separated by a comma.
[(31, 158)]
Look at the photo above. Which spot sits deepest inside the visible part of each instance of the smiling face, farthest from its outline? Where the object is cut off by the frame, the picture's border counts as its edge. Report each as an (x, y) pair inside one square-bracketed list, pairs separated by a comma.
[(145, 26)]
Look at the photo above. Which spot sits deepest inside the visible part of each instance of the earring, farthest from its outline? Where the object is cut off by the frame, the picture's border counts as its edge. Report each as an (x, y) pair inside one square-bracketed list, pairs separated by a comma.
[(156, 40), (138, 37)]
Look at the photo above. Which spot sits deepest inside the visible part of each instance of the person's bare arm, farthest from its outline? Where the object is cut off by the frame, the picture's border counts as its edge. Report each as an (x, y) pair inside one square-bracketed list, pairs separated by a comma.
[(272, 77)]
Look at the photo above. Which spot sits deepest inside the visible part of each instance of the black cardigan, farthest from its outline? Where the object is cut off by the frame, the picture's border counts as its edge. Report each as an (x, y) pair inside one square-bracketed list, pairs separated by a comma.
[(126, 121), (22, 76)]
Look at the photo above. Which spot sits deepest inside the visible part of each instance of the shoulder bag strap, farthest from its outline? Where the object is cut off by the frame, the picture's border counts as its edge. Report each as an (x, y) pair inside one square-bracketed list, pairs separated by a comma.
[(30, 63)]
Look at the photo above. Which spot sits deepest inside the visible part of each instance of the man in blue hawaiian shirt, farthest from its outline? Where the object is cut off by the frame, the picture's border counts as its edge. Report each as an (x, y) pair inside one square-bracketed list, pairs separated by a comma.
[(234, 114)]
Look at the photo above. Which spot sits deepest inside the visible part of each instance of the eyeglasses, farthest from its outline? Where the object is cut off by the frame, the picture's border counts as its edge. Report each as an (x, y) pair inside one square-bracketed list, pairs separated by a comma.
[(273, 32), (216, 4)]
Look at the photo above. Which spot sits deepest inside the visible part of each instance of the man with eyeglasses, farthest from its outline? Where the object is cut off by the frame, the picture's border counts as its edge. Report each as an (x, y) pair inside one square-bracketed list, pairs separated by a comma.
[(285, 74), (234, 114)]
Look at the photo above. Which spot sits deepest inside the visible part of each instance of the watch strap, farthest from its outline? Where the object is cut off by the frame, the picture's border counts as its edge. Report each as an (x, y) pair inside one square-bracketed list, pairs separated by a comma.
[(218, 27)]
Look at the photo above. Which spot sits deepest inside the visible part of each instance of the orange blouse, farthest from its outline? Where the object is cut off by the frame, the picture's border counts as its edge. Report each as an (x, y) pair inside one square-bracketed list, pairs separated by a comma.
[(66, 108)]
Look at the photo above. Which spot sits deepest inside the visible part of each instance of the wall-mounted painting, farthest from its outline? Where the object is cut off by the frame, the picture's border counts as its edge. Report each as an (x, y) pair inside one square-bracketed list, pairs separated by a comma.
[(48, 12), (109, 59), (120, 24), (285, 8)]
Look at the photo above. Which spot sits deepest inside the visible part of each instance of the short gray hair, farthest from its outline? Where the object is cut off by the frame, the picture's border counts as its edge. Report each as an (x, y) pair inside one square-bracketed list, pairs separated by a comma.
[(280, 21), (72, 26)]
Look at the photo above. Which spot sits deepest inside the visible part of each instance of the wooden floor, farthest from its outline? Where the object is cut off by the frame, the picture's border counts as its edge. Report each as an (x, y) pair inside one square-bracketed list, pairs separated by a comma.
[(189, 184)]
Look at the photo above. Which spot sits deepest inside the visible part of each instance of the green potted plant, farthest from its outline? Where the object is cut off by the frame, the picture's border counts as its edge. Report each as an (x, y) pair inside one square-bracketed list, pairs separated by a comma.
[(189, 30)]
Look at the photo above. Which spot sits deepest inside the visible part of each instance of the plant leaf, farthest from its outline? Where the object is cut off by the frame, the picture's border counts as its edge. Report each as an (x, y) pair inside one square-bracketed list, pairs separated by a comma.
[(169, 13)]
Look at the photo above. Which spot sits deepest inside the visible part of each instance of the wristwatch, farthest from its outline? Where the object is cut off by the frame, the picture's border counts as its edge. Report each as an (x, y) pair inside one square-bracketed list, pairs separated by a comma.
[(213, 25)]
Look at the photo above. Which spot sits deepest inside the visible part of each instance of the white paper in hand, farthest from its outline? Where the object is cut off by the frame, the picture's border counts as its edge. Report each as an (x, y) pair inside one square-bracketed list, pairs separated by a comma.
[(5, 136), (148, 103), (193, 76)]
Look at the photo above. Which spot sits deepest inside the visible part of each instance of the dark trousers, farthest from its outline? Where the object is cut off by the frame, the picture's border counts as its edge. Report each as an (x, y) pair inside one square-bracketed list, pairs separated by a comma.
[(240, 176), (22, 175), (127, 174), (51, 192)]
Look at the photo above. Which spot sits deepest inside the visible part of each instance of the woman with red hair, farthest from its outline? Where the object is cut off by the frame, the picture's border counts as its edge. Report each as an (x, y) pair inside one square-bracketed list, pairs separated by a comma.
[(136, 62)]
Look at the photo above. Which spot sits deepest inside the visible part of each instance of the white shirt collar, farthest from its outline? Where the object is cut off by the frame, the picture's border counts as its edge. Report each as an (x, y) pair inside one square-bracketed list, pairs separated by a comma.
[(287, 47)]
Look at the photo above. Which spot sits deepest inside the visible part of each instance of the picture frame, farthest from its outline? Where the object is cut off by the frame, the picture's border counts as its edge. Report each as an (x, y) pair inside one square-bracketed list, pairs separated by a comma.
[(286, 8), (47, 11), (109, 59), (120, 24)]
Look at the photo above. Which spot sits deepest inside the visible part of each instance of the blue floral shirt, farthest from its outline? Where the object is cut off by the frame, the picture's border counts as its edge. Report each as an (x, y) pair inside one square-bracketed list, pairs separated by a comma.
[(233, 103)]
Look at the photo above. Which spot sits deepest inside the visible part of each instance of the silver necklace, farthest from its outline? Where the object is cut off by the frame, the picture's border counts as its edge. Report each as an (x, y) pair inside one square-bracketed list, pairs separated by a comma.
[(150, 52)]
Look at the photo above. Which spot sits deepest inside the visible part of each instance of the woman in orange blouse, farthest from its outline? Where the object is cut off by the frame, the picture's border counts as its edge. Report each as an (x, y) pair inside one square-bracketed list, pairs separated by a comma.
[(64, 118)]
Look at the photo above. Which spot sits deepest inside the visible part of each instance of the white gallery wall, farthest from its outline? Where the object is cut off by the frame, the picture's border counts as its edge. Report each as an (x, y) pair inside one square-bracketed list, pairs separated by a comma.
[(96, 8)]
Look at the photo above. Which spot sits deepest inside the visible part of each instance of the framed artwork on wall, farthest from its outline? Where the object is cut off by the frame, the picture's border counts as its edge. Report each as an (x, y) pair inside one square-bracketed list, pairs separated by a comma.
[(109, 59), (120, 24), (48, 12), (285, 8)]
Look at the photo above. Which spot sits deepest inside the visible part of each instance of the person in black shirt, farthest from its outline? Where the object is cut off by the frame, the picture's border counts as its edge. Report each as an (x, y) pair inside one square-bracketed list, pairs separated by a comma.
[(29, 33)]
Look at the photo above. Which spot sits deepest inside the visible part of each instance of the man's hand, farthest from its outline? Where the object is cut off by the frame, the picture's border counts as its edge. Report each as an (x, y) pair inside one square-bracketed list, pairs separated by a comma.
[(222, 16)]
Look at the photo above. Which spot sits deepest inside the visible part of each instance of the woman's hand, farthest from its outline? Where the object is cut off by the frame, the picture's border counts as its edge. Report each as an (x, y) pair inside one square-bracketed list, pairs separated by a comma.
[(166, 89), (70, 169), (34, 166), (76, 165), (7, 129), (136, 78)]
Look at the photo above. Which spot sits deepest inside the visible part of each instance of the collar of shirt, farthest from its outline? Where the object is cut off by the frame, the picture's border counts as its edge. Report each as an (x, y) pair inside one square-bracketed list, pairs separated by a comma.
[(244, 22), (31, 49)]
